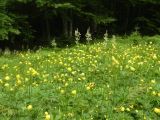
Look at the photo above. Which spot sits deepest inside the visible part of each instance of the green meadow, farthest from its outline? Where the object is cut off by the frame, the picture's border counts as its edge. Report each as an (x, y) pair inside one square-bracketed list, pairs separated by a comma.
[(117, 80)]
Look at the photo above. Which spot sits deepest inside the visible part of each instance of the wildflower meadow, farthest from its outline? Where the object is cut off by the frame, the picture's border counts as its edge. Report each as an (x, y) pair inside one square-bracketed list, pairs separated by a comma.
[(111, 80)]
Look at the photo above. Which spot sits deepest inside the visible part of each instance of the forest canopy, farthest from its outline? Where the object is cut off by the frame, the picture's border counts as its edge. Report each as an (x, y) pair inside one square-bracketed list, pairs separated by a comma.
[(39, 21)]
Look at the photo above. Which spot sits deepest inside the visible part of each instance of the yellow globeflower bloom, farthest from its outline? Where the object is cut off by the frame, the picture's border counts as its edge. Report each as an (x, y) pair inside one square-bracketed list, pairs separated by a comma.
[(7, 78), (128, 109), (69, 69), (62, 91), (29, 107), (1, 81), (6, 85), (18, 76), (122, 109), (132, 68), (153, 81), (66, 84), (74, 92), (157, 110), (154, 93), (47, 116), (88, 87)]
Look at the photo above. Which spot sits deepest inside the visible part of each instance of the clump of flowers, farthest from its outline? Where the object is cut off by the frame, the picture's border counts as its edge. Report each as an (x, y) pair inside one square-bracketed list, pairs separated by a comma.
[(77, 36), (105, 38), (157, 110), (90, 86), (29, 107), (32, 71), (7, 78), (47, 116), (88, 36), (53, 43), (74, 92)]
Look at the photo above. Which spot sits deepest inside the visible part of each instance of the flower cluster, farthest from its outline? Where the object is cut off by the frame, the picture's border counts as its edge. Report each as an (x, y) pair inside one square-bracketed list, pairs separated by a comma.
[(77, 36), (88, 36)]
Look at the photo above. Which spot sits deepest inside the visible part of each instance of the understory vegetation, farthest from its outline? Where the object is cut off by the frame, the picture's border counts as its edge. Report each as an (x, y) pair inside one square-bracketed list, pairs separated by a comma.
[(118, 79), (30, 23)]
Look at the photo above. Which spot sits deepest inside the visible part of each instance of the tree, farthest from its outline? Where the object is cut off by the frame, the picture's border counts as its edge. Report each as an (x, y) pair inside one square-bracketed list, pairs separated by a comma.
[(7, 27)]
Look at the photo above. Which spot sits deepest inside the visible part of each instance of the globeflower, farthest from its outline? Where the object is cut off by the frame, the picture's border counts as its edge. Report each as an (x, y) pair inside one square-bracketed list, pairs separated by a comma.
[(69, 69), (18, 76), (132, 68), (47, 116), (154, 93), (74, 92), (33, 72), (153, 81), (6, 84), (29, 107), (122, 109), (62, 91), (157, 110), (7, 78)]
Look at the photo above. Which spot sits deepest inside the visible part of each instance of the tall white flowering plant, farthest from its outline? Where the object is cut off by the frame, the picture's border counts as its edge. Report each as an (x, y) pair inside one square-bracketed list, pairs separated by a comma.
[(53, 43), (88, 36), (77, 36), (105, 38)]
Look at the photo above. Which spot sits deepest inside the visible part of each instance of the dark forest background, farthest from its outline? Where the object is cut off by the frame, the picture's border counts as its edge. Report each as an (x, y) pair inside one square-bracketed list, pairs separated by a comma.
[(30, 23)]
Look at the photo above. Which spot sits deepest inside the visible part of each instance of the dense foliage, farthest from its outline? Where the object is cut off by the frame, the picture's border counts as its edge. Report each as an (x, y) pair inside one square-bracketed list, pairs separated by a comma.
[(39, 21)]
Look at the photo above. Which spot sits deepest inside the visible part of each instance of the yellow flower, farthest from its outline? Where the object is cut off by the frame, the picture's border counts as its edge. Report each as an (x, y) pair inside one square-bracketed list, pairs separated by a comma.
[(88, 87), (1, 81), (157, 110), (153, 81), (47, 116), (150, 88), (62, 91), (69, 69), (33, 72), (132, 69), (128, 109), (136, 111), (142, 80), (6, 84), (74, 92), (29, 107), (122, 109), (154, 93), (18, 82), (159, 94), (7, 78), (11, 89), (66, 84), (154, 56), (18, 76)]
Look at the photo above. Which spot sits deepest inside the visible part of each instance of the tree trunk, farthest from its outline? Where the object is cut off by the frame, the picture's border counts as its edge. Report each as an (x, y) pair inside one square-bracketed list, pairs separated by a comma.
[(127, 18), (65, 26), (94, 24), (70, 28), (48, 34), (48, 30)]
